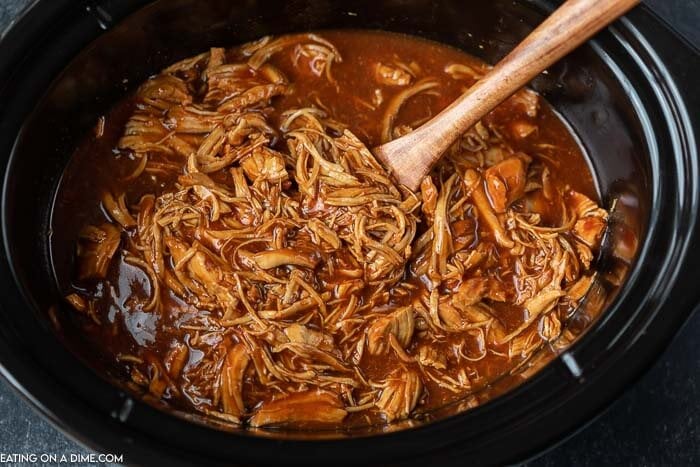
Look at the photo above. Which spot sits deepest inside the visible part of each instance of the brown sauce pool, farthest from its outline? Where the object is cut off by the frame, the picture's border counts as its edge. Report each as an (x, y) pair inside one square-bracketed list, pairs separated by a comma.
[(456, 310)]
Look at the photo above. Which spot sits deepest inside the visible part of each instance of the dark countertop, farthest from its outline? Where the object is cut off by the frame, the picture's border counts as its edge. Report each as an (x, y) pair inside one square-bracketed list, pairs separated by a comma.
[(657, 421)]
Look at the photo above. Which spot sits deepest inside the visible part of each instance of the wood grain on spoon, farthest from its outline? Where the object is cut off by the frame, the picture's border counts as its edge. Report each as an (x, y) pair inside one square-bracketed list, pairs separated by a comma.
[(411, 157)]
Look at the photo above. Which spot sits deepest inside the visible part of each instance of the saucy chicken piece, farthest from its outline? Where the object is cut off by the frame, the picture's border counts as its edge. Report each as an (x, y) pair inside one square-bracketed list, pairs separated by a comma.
[(286, 256), (591, 222), (311, 407), (234, 367), (505, 182), (474, 185), (400, 394), (391, 75), (526, 101), (429, 195), (265, 165), (96, 247), (429, 356), (399, 324)]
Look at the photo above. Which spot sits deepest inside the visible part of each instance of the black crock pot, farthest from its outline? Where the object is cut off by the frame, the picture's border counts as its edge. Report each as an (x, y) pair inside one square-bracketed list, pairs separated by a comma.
[(65, 62)]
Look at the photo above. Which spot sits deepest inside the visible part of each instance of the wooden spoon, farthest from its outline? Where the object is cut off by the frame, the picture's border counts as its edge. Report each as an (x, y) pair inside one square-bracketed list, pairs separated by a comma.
[(411, 156)]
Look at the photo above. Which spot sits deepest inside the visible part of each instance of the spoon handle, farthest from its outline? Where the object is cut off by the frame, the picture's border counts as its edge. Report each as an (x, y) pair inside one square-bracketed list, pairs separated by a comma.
[(412, 156)]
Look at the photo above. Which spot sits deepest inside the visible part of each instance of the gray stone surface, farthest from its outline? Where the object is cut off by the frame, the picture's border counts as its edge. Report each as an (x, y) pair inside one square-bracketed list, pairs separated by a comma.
[(23, 431), (9, 9), (656, 423)]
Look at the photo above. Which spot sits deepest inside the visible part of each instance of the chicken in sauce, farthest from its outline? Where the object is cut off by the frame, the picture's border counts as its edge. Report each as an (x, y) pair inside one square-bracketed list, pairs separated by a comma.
[(240, 253)]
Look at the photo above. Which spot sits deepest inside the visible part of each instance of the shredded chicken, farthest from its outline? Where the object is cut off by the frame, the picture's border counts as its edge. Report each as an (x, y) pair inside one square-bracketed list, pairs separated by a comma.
[(392, 75), (96, 247), (315, 407), (400, 394), (304, 286)]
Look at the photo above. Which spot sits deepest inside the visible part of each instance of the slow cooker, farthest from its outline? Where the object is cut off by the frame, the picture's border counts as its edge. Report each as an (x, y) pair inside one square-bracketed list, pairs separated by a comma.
[(66, 62)]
